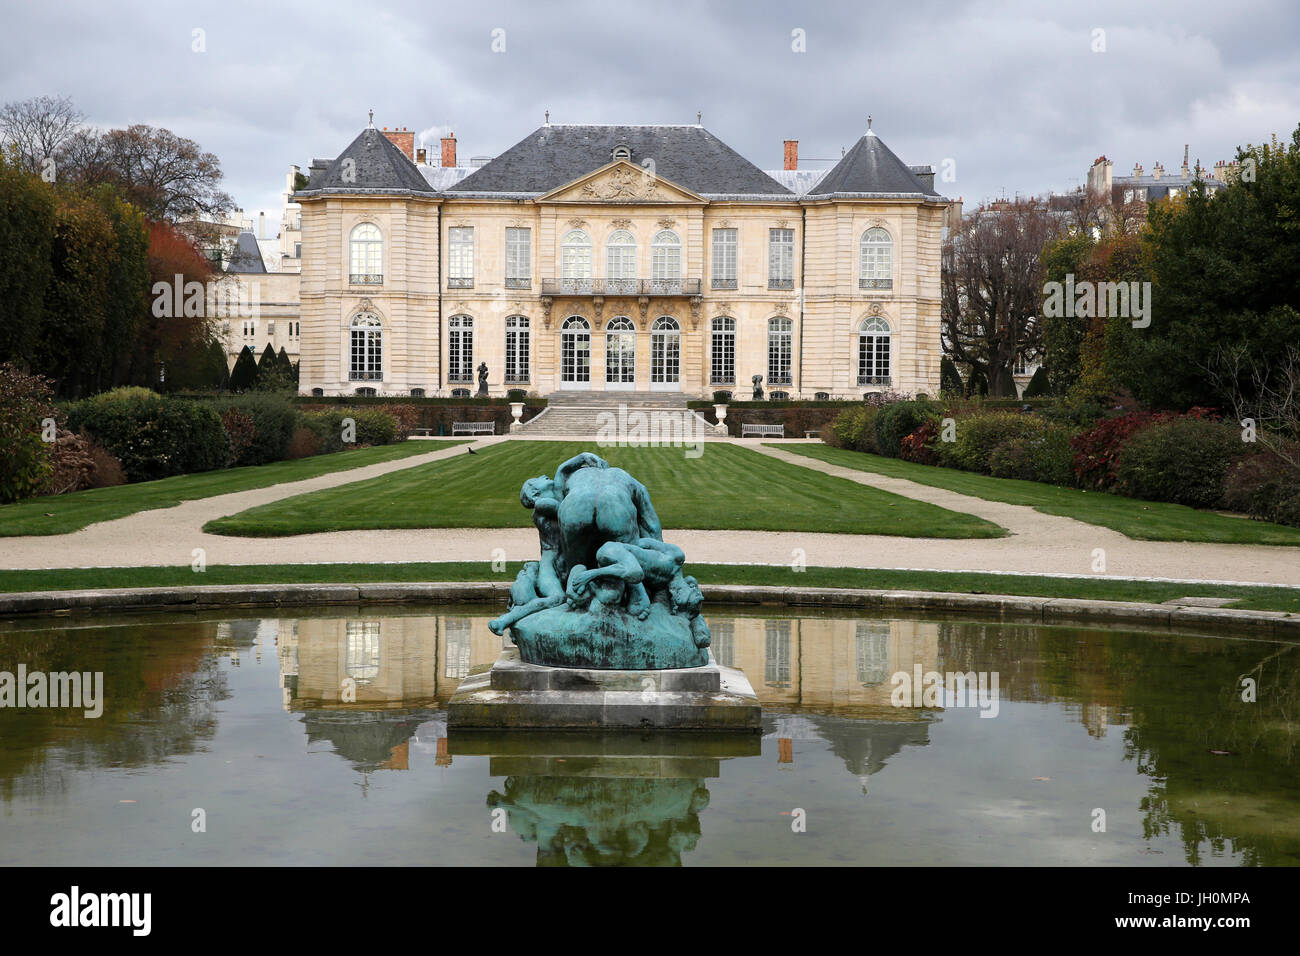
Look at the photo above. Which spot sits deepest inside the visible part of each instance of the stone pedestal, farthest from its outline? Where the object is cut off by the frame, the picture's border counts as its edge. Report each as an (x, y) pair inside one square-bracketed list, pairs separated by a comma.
[(515, 695)]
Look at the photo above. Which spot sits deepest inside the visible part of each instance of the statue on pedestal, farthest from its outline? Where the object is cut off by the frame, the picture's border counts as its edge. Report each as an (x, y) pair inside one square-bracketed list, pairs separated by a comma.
[(482, 381), (758, 387)]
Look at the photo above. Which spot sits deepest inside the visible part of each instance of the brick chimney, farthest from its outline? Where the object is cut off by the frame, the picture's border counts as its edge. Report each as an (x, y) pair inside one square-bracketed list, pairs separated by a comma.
[(1137, 169), (791, 154), (449, 151), (421, 156), (403, 139), (1186, 171), (1157, 171)]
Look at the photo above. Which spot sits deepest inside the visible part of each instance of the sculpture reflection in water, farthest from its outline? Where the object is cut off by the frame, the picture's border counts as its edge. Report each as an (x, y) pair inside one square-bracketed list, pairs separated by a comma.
[(607, 591), (605, 821)]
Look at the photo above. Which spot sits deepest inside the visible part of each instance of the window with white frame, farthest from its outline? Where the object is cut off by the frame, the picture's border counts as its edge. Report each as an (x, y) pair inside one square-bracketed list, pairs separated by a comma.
[(575, 261), (780, 258), (519, 258), (620, 262), (722, 352), (367, 254), (460, 257), (724, 258), (780, 350), (367, 348), (666, 261), (517, 336), (876, 260), (874, 351), (460, 349)]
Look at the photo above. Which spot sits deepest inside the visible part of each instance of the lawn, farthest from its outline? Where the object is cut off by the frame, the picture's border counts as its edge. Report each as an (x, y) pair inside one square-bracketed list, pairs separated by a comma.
[(1100, 588), (1143, 520), (726, 488), (62, 514)]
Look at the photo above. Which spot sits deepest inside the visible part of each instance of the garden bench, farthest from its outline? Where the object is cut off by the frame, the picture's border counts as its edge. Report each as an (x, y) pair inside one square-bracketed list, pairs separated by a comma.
[(812, 433), (763, 431), (422, 432), (473, 428)]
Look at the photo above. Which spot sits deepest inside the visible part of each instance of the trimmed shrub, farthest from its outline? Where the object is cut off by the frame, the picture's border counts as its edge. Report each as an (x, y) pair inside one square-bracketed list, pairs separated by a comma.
[(1038, 385), (152, 436), (919, 446), (106, 471), (239, 431), (274, 418), (854, 429), (516, 395), (950, 382), (304, 443), (897, 420), (375, 426), (1183, 460), (244, 375), (979, 434), (407, 418), (1096, 450), (25, 462), (73, 464), (1043, 454), (327, 427)]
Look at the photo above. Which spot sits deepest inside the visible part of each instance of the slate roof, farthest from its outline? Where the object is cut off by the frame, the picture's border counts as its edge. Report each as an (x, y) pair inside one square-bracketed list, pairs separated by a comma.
[(871, 169), (1159, 188), (798, 181), (379, 165), (554, 155), (246, 257)]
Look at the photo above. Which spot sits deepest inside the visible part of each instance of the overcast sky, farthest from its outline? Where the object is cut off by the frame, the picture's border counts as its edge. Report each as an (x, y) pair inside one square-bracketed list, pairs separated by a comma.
[(1013, 93)]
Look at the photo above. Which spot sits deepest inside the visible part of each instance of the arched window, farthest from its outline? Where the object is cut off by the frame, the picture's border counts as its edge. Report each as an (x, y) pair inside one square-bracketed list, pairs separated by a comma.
[(367, 348), (367, 254), (620, 353), (665, 353), (575, 262), (460, 349), (877, 260), (575, 352), (780, 349), (666, 262), (517, 342), (722, 352), (620, 263), (873, 351)]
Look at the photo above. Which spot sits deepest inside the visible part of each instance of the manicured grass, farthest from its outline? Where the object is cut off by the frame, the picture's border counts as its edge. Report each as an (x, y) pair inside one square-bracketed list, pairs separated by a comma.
[(726, 487), (61, 514), (1143, 520), (965, 582)]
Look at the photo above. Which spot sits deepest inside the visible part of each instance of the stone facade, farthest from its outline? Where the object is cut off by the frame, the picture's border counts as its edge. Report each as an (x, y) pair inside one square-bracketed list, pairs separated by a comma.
[(613, 267)]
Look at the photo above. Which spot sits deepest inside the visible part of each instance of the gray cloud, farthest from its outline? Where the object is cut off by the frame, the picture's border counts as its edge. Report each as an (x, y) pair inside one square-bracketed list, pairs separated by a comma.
[(1011, 91)]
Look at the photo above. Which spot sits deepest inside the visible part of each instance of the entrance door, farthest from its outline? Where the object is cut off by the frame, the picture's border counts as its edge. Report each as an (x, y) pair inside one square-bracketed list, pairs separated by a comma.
[(620, 354), (665, 355), (575, 353)]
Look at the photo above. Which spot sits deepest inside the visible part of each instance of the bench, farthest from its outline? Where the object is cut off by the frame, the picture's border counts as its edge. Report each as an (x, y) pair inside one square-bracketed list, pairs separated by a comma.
[(762, 431), (473, 428), (812, 433), (422, 432)]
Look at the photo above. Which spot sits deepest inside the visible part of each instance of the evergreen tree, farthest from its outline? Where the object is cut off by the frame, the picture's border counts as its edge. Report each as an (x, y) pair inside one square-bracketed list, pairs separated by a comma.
[(243, 376), (1038, 385), (949, 378)]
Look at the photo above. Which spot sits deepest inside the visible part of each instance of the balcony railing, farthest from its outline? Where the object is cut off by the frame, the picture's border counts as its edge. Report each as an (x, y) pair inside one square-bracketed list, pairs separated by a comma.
[(724, 283), (651, 287), (780, 283), (875, 283), (514, 282), (367, 278), (460, 282), (359, 376), (873, 379)]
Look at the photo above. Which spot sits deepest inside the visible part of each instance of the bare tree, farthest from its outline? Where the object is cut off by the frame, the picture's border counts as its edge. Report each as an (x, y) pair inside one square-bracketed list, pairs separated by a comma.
[(39, 128), (1267, 393), (992, 288)]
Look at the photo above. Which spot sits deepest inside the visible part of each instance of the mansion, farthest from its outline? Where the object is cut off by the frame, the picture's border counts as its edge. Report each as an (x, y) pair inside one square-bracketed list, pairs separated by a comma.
[(609, 258)]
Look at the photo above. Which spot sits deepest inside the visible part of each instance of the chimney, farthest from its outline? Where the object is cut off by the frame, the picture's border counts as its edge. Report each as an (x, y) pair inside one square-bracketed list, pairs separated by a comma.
[(1185, 169), (791, 154), (421, 156), (261, 225), (1157, 171), (1137, 169), (449, 151), (403, 139)]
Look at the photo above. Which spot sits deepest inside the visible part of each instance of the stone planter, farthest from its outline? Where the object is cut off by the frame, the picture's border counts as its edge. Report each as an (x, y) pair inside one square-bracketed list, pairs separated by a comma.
[(517, 413)]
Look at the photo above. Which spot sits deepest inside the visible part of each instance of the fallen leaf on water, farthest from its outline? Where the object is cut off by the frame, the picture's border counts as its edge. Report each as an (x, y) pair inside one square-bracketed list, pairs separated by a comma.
[(1042, 778), (126, 801)]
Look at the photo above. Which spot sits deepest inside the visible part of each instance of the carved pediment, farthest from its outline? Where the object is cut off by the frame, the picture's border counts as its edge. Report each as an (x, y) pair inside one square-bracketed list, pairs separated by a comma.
[(621, 182)]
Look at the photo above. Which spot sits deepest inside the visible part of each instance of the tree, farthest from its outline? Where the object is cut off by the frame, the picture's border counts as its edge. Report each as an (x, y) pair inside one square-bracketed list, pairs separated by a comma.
[(243, 376), (992, 288), (1038, 384), (27, 210), (1063, 335), (1225, 268), (39, 129), (949, 378), (173, 325)]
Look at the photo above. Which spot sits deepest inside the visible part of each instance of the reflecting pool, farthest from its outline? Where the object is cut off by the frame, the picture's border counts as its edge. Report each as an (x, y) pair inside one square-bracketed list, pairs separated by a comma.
[(319, 737)]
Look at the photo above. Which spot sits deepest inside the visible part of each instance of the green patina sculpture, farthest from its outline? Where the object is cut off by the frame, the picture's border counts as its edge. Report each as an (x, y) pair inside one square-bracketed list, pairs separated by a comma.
[(607, 591)]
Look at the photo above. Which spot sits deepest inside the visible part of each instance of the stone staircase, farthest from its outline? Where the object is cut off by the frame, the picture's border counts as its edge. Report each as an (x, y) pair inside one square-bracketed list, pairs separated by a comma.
[(578, 414)]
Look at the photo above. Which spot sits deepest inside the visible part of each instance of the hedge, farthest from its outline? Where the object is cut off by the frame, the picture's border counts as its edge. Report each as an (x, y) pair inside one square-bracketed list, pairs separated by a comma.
[(152, 436), (1183, 460)]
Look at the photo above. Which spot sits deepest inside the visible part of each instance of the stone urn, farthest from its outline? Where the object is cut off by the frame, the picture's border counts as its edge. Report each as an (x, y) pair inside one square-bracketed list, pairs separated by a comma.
[(516, 413), (720, 411)]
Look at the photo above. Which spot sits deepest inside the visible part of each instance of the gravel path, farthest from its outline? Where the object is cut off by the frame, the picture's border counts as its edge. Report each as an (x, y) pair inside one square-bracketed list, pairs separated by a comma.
[(1039, 543)]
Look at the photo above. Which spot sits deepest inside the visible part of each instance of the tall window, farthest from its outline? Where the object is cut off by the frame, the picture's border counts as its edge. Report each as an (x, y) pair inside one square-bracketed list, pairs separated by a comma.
[(460, 257), (519, 258), (367, 254), (724, 258), (666, 261), (722, 352), (460, 349), (780, 258), (620, 352), (575, 261), (575, 351), (665, 353), (780, 333), (516, 349), (877, 260), (367, 353), (873, 351), (620, 263)]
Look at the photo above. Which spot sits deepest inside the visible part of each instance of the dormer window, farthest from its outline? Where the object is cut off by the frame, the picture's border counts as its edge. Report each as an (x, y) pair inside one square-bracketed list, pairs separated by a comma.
[(622, 151)]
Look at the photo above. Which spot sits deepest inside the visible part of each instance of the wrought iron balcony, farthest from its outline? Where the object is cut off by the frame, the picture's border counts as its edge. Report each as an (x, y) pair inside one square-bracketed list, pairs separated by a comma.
[(875, 283), (514, 282), (612, 287), (873, 379), (366, 278), (356, 375)]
